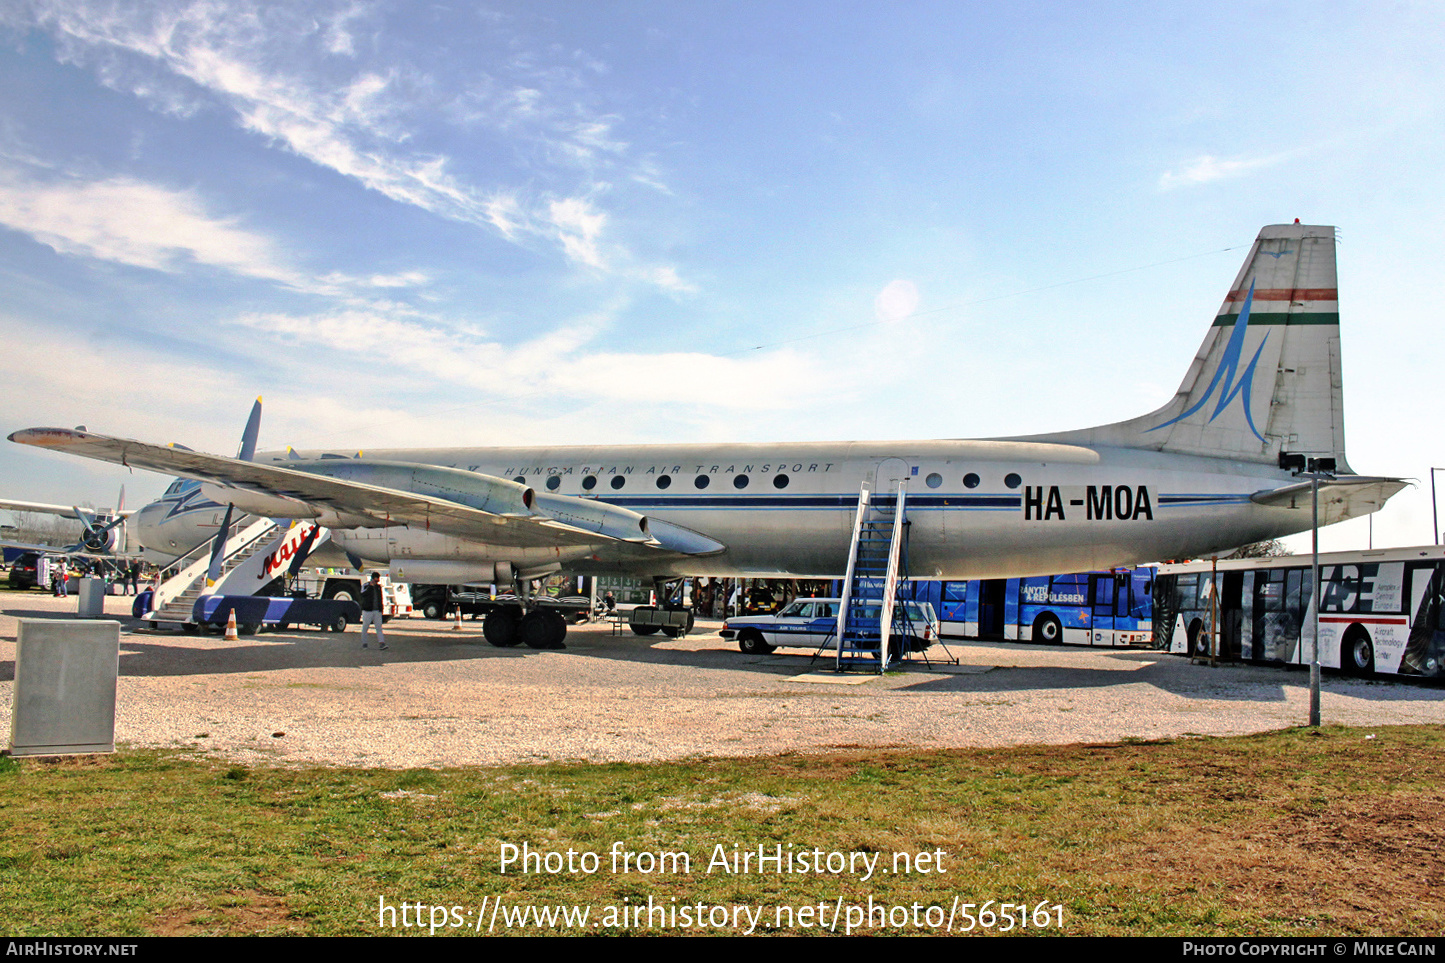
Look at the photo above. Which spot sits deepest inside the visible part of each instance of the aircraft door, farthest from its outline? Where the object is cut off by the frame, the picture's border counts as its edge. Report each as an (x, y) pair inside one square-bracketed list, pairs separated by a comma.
[(889, 472)]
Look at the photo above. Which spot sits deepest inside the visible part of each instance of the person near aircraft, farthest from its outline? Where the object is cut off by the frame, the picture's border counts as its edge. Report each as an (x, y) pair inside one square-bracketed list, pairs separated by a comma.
[(371, 607)]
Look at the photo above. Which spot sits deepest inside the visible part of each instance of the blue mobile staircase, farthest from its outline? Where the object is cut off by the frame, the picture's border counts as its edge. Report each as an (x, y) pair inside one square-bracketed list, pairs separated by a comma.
[(871, 584)]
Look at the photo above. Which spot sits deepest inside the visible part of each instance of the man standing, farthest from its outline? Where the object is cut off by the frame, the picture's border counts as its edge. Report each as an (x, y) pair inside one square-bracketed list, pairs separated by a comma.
[(371, 610)]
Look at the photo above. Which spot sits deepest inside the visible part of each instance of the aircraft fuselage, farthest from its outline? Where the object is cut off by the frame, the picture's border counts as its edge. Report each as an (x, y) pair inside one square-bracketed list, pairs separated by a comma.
[(977, 508)]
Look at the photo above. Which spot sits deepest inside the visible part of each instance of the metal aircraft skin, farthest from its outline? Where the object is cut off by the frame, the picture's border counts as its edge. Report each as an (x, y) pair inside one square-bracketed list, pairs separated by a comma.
[(1200, 475), (178, 522)]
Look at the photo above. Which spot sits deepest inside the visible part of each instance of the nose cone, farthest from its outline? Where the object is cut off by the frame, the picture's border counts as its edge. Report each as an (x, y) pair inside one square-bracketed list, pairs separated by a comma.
[(145, 524)]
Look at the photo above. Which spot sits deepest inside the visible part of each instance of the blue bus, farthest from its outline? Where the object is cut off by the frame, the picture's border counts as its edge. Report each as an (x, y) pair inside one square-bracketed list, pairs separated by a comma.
[(1112, 608)]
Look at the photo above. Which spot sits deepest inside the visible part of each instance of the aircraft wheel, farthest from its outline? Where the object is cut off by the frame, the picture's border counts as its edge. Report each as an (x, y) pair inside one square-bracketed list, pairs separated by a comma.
[(1047, 629), (538, 629), (559, 628), (500, 628), (644, 629), (671, 631), (751, 643), (1357, 654)]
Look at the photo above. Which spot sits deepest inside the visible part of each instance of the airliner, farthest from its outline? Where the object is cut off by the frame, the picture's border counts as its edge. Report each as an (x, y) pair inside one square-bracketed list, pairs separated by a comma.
[(1216, 467), (102, 535)]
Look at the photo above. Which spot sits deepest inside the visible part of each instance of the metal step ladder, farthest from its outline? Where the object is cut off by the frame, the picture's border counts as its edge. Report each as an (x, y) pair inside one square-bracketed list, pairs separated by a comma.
[(871, 584), (176, 596)]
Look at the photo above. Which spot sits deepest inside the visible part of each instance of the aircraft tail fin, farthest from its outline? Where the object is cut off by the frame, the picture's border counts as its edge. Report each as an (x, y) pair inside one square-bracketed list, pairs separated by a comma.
[(1266, 380)]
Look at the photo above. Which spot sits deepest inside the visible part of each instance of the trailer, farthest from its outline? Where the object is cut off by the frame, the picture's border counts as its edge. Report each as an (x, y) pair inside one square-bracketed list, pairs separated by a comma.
[(280, 613), (445, 601)]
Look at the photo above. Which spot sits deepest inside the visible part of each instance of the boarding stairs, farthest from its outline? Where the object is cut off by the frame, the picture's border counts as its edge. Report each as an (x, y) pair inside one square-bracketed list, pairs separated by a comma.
[(871, 584), (175, 598)]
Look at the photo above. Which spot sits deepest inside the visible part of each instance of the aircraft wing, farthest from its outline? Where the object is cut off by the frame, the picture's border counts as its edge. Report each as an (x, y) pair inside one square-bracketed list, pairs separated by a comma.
[(66, 511), (43, 549), (71, 551), (359, 494), (1342, 497)]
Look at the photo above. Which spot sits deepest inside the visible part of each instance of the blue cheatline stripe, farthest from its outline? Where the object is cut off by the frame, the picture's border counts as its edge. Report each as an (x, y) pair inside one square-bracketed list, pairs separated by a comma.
[(953, 502), (1184, 500), (812, 502)]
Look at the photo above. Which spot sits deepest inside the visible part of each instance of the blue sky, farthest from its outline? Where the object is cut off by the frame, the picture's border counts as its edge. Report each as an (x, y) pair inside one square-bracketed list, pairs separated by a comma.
[(509, 223)]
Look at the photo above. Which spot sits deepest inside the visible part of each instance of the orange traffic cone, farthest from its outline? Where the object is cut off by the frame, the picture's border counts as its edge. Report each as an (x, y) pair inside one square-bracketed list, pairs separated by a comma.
[(231, 635), (457, 626)]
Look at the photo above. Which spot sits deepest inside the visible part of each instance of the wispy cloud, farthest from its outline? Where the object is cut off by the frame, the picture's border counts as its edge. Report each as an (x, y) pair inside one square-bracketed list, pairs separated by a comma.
[(131, 222), (128, 221), (564, 365), (292, 74), (1207, 168)]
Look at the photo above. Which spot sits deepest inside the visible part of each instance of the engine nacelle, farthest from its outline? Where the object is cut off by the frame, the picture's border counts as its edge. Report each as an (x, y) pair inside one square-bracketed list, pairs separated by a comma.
[(486, 493), (429, 571), (261, 504), (591, 516)]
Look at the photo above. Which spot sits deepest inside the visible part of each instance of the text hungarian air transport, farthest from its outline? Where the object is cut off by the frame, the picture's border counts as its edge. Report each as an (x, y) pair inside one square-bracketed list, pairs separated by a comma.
[(1210, 470)]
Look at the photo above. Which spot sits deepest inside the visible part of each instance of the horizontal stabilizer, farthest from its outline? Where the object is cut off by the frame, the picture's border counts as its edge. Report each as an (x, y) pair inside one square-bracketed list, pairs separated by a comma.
[(1340, 498)]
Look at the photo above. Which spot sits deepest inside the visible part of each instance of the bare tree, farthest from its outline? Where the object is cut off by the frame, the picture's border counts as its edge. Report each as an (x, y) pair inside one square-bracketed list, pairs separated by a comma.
[(40, 528)]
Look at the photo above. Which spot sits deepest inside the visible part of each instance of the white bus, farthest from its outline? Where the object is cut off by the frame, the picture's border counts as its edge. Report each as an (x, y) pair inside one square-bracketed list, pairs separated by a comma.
[(1380, 611)]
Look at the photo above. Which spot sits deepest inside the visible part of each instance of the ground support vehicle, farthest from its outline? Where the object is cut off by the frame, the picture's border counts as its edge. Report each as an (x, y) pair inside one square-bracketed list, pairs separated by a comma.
[(1380, 611), (670, 621), (395, 596), (254, 611), (813, 623), (445, 601)]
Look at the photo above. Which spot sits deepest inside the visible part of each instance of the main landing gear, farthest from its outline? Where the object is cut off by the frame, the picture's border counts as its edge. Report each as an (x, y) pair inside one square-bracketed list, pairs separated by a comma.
[(671, 617), (510, 625)]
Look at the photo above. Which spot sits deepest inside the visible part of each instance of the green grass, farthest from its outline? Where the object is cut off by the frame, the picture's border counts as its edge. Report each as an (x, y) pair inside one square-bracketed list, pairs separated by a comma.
[(1287, 833)]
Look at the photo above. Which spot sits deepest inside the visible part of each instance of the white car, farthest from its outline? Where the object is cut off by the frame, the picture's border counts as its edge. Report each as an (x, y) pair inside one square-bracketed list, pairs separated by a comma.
[(813, 623)]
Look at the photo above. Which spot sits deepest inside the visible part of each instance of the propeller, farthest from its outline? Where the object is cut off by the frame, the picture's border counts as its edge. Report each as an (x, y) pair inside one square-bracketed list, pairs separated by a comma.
[(246, 453), (302, 551), (95, 533), (213, 574)]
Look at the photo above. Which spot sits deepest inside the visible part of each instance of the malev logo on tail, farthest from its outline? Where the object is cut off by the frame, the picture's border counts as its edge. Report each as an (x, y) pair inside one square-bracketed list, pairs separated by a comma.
[(1224, 379)]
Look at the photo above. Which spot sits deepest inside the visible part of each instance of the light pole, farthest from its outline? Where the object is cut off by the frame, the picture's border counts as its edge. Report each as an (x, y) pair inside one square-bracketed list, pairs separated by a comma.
[(1434, 512), (1315, 469)]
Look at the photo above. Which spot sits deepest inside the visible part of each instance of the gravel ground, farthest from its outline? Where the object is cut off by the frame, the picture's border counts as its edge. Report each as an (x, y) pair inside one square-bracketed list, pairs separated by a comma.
[(440, 697)]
